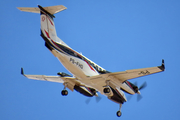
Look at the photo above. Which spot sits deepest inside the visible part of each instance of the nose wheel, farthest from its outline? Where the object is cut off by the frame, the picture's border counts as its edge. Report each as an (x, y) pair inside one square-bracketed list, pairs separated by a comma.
[(119, 112)]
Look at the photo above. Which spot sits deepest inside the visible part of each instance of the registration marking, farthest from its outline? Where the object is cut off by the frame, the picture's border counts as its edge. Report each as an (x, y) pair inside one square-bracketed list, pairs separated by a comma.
[(76, 63)]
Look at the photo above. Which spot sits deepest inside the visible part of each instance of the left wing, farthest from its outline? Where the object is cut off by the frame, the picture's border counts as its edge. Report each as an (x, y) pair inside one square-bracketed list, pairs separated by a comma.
[(69, 81)]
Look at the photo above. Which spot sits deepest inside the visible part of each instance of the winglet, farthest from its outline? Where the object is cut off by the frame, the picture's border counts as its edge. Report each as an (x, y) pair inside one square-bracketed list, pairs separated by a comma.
[(162, 67), (22, 71)]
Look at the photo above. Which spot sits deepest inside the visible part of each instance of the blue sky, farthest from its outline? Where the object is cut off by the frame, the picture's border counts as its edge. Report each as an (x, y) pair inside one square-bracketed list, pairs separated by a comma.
[(117, 35)]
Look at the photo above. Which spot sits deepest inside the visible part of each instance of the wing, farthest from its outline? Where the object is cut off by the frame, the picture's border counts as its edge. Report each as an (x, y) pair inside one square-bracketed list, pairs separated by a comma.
[(70, 80), (129, 74), (135, 73)]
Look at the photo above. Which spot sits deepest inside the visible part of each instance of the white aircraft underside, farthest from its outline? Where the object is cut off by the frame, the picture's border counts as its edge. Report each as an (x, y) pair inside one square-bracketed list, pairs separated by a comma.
[(88, 77)]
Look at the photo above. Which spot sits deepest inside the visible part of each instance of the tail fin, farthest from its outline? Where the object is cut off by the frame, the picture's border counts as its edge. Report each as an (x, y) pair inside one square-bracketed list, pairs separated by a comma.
[(47, 23)]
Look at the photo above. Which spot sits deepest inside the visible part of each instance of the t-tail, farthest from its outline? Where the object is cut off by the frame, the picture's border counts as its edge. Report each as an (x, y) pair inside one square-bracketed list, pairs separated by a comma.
[(48, 31)]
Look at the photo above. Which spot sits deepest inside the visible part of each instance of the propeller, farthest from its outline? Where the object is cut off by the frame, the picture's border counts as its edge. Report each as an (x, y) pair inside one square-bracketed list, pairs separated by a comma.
[(98, 98), (143, 86), (139, 96), (88, 100)]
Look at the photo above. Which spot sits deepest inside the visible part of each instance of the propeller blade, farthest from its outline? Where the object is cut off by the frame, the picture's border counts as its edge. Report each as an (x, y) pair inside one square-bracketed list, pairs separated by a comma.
[(143, 86), (88, 100), (129, 97), (139, 97), (135, 83), (98, 98)]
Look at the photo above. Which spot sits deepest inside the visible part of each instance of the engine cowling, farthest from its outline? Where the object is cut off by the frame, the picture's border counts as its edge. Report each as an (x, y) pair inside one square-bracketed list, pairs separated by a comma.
[(86, 91), (118, 96)]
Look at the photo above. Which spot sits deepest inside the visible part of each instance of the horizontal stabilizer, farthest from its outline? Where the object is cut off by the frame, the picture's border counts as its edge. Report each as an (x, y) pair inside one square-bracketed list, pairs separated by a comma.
[(52, 9)]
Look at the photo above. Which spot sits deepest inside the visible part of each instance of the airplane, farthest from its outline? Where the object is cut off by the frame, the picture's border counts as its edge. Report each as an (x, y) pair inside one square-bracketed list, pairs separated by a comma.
[(87, 78)]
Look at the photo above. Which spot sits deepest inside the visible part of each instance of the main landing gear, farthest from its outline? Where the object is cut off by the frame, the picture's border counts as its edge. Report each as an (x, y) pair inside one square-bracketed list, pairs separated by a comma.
[(106, 90), (119, 112), (64, 92)]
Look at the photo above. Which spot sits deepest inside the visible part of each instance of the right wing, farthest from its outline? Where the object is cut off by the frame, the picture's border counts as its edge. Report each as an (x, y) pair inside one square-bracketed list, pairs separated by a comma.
[(101, 80), (129, 74), (135, 73)]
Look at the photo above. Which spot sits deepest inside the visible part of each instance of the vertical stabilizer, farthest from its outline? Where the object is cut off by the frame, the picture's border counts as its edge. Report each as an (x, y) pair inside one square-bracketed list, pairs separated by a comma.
[(47, 23)]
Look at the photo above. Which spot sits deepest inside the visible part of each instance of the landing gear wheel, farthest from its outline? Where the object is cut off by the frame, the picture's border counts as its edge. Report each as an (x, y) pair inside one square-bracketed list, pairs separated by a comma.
[(119, 113), (64, 92), (106, 90)]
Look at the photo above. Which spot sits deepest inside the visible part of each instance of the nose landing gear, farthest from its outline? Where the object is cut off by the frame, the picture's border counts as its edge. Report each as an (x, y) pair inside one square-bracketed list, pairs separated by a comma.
[(119, 112)]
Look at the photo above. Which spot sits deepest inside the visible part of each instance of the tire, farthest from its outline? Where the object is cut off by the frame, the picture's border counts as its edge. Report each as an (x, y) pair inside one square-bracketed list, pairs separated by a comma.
[(106, 90), (64, 92), (119, 113)]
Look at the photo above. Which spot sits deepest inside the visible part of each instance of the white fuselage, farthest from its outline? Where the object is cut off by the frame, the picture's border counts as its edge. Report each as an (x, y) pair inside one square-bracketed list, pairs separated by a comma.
[(81, 67)]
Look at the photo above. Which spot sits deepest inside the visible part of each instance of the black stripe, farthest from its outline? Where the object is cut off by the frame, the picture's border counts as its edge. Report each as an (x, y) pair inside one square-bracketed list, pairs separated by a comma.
[(133, 87), (73, 53), (69, 51), (66, 50), (42, 9)]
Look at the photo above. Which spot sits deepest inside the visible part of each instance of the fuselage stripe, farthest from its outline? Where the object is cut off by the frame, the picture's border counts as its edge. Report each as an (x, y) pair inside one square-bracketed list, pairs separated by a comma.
[(89, 65), (73, 52), (88, 90), (129, 85), (47, 34), (50, 21)]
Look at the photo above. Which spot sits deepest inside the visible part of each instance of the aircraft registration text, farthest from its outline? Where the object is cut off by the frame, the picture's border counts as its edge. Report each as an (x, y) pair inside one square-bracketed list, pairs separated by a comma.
[(76, 63), (144, 72)]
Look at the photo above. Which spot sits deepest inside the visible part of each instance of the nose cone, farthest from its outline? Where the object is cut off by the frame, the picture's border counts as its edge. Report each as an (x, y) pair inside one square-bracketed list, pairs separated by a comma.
[(96, 94), (138, 92)]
